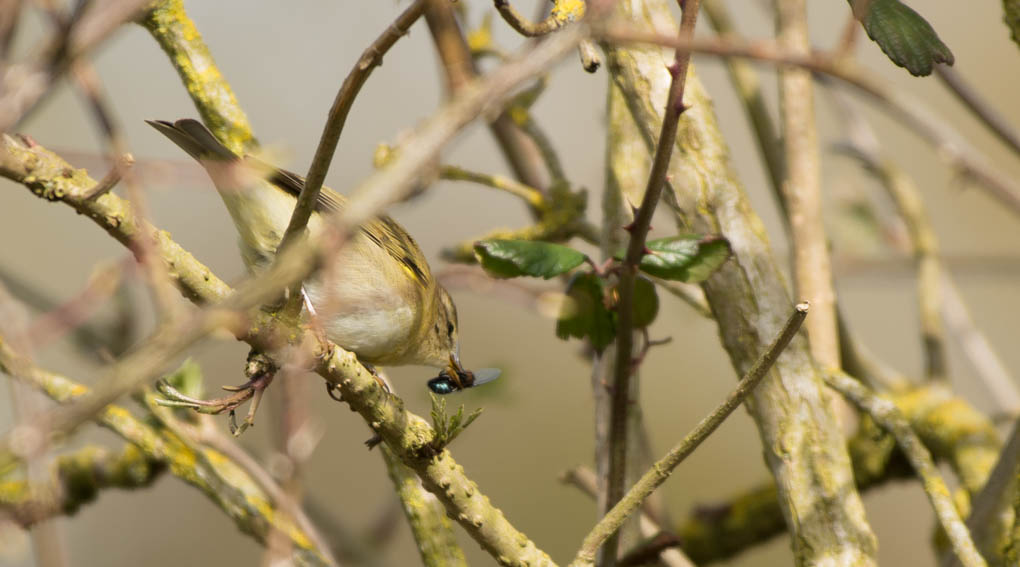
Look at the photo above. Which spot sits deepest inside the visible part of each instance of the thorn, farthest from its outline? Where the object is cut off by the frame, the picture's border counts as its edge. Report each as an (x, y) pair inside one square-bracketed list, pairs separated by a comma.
[(673, 68), (373, 441), (629, 227), (645, 251)]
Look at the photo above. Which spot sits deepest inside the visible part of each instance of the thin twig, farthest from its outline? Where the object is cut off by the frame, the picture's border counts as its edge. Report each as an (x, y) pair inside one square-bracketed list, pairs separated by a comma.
[(623, 367), (533, 197), (25, 84), (338, 112), (970, 98), (110, 180), (662, 469), (521, 153), (584, 479), (987, 364), (888, 416), (864, 145), (556, 19), (987, 506)]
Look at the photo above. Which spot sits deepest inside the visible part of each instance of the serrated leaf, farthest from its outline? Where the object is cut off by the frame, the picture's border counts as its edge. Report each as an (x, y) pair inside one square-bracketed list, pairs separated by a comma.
[(646, 303), (584, 315), (904, 36), (513, 258), (689, 258)]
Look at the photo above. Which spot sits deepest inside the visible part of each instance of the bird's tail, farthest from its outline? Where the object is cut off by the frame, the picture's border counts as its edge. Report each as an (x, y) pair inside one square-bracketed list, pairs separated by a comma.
[(194, 138)]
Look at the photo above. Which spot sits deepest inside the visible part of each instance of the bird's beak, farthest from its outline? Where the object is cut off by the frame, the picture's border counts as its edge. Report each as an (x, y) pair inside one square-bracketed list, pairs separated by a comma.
[(462, 378)]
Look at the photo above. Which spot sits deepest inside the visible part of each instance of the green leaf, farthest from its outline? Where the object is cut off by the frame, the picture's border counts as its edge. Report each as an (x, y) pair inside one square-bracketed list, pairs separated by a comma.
[(187, 379), (687, 258), (904, 36), (646, 302), (513, 258), (584, 315)]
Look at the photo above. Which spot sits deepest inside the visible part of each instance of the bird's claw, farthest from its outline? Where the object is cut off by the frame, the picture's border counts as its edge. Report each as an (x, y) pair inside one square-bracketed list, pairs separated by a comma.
[(261, 372)]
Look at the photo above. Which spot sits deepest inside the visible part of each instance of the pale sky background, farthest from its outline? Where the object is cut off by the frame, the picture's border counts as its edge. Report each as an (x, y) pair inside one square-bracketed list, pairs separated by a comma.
[(285, 61)]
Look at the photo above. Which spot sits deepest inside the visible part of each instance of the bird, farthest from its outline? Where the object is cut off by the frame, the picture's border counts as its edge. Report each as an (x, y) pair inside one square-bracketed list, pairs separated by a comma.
[(385, 305)]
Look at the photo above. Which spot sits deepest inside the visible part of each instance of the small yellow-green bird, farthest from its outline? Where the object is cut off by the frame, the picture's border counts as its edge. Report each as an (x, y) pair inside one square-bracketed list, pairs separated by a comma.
[(385, 305)]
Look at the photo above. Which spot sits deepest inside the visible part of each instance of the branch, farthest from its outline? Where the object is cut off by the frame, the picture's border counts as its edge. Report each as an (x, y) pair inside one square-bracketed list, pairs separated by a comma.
[(937, 294), (863, 144), (563, 12), (173, 30), (78, 479), (24, 85), (988, 520), (638, 229), (802, 187), (911, 112), (521, 153), (432, 530), (970, 98), (584, 479), (748, 86), (662, 469), (885, 413), (356, 78), (407, 435), (953, 430), (205, 469), (800, 437)]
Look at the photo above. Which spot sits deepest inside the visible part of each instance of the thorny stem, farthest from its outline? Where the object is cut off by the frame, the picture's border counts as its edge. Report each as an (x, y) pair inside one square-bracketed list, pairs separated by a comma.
[(662, 469), (638, 229)]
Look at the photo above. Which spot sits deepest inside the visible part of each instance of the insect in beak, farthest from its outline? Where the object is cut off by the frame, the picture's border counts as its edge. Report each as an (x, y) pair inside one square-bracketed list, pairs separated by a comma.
[(462, 378), (455, 377)]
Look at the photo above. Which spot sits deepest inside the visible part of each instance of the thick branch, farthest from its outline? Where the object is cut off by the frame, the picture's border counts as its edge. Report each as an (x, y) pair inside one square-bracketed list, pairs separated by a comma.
[(78, 479), (432, 530), (171, 27), (801, 440)]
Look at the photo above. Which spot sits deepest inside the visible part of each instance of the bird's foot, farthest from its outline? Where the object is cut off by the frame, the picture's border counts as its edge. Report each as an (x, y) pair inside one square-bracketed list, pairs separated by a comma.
[(260, 372)]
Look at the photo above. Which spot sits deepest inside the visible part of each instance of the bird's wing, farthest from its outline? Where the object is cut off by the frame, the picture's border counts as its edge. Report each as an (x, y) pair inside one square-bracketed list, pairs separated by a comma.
[(383, 231)]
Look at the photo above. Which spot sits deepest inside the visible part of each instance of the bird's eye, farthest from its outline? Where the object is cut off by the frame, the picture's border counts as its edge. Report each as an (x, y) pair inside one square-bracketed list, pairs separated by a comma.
[(449, 329)]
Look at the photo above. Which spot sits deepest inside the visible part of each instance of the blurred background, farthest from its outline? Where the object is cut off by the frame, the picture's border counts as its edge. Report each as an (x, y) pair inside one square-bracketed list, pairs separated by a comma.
[(285, 61)]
